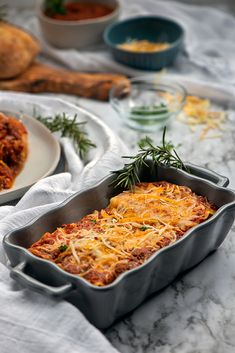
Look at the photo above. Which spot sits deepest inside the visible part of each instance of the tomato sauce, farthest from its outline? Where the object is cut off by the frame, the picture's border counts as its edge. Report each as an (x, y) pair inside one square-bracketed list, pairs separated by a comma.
[(82, 11)]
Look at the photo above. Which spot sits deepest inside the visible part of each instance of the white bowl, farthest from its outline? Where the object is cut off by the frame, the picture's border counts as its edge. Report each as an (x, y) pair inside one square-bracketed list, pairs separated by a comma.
[(76, 34)]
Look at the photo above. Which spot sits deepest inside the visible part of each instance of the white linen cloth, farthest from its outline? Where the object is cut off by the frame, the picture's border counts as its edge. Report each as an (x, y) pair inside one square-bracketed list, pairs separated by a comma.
[(32, 323), (209, 41), (29, 322)]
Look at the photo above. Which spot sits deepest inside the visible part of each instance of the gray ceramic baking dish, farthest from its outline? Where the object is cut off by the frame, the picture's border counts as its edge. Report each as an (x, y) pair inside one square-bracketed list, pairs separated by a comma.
[(103, 305)]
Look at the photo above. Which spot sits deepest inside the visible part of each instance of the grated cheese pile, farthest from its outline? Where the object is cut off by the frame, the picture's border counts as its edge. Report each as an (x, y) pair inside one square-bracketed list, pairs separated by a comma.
[(198, 111)]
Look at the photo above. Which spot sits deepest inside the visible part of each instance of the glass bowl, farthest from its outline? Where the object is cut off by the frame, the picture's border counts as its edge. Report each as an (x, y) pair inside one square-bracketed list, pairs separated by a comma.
[(148, 103)]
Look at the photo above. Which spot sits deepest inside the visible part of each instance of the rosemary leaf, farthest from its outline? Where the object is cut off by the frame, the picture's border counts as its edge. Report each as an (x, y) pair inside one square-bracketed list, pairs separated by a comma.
[(164, 155), (53, 7), (69, 128), (3, 12)]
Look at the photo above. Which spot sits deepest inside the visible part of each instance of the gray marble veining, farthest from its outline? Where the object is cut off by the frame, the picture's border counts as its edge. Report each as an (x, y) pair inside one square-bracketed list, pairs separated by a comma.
[(196, 313)]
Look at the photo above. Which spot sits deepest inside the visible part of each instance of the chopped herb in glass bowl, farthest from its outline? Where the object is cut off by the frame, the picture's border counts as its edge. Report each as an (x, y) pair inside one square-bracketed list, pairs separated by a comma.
[(149, 103)]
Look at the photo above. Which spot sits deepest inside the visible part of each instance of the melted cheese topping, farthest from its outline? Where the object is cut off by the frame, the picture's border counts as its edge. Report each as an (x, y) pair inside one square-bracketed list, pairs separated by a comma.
[(134, 225)]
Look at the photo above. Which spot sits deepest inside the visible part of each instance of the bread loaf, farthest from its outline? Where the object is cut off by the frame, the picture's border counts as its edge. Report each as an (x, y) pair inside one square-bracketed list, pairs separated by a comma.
[(17, 50), (41, 78)]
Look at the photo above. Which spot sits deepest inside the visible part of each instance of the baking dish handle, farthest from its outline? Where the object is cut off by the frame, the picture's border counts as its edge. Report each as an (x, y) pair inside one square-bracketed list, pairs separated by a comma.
[(24, 279), (208, 174)]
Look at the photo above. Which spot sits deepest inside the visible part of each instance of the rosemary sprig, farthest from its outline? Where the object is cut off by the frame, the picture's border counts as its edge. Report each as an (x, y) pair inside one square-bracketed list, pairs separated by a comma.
[(69, 128), (164, 155), (54, 6), (150, 110)]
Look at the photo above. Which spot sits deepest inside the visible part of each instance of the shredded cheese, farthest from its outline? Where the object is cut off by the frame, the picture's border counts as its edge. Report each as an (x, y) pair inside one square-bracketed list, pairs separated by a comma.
[(134, 225), (198, 111), (143, 46)]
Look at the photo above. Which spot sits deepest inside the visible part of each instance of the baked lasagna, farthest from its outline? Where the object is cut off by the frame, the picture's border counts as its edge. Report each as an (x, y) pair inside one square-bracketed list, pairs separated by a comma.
[(13, 149), (136, 224)]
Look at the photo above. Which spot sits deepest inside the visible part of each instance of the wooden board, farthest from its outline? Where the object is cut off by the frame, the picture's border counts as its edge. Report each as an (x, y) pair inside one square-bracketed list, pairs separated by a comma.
[(40, 78)]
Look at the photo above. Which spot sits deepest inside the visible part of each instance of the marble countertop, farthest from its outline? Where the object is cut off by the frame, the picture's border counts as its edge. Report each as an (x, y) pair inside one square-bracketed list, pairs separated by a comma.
[(196, 313)]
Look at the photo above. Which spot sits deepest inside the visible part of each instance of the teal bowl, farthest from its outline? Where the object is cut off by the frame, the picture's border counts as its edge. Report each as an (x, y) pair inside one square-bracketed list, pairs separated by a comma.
[(151, 28)]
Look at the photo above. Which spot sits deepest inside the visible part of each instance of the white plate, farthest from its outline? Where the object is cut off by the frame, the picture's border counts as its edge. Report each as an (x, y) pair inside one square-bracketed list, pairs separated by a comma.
[(43, 157), (43, 147)]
